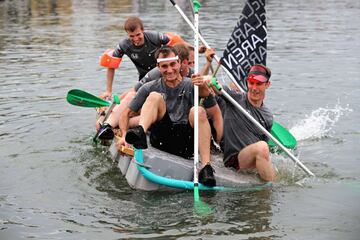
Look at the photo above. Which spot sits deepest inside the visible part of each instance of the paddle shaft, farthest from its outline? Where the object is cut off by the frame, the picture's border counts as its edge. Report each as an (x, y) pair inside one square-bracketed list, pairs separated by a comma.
[(205, 43), (198, 27), (196, 103), (108, 112)]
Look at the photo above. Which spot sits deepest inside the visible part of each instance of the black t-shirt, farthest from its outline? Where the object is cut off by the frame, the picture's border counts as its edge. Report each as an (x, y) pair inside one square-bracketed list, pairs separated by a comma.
[(143, 56)]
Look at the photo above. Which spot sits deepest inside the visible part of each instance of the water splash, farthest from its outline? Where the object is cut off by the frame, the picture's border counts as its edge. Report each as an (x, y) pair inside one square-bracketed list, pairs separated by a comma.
[(319, 123), (287, 173)]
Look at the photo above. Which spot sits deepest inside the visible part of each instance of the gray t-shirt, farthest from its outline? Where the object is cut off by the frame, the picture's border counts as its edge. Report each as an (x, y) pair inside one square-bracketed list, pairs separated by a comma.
[(152, 75), (155, 74), (239, 131), (143, 57), (178, 100)]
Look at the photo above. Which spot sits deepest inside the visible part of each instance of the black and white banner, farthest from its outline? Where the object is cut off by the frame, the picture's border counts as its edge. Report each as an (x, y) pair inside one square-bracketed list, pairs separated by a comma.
[(247, 44)]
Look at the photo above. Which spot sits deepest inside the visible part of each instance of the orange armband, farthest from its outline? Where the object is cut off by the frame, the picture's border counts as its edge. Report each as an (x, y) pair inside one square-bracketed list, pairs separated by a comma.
[(174, 38), (107, 60)]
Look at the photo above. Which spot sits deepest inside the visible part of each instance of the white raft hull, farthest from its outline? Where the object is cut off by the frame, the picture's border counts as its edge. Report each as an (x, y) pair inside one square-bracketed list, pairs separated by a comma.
[(171, 167)]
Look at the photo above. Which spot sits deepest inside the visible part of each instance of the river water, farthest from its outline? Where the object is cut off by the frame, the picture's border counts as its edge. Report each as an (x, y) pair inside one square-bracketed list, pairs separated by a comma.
[(55, 184)]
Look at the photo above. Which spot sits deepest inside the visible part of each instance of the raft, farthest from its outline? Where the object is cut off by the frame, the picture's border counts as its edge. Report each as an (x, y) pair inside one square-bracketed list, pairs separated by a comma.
[(155, 170)]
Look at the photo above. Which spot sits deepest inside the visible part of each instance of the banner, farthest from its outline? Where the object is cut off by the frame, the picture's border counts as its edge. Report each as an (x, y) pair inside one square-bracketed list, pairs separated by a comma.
[(247, 44)]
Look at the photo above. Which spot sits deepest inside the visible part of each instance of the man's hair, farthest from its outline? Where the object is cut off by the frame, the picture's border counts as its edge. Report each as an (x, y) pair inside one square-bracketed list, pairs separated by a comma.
[(182, 50), (264, 71), (132, 23), (165, 51), (191, 48)]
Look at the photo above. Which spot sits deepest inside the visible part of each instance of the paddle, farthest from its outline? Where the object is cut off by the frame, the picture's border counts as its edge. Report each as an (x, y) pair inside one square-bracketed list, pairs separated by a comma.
[(285, 137), (81, 98), (241, 109), (200, 207), (202, 40), (193, 14)]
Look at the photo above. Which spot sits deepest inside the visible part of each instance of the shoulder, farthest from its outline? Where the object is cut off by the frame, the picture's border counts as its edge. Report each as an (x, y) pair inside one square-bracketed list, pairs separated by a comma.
[(151, 35), (235, 93), (156, 37), (124, 43), (122, 47), (153, 84), (154, 73), (151, 75)]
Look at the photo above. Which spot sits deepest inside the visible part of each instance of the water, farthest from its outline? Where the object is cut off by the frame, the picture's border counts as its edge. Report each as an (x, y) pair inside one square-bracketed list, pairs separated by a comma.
[(56, 185)]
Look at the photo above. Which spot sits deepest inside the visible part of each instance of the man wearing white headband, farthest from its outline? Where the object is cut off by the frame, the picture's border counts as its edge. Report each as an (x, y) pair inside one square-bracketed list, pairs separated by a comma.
[(183, 54), (167, 110)]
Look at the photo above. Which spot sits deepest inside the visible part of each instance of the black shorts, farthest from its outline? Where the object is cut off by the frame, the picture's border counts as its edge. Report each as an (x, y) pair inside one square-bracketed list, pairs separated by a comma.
[(177, 139), (233, 162)]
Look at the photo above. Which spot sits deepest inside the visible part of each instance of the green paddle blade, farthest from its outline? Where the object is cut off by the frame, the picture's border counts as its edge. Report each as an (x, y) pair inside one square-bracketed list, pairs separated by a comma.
[(197, 6), (83, 99), (201, 208), (283, 136)]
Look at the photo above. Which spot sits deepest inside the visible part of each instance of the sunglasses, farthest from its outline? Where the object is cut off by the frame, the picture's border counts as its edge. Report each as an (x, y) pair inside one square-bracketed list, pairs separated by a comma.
[(257, 78)]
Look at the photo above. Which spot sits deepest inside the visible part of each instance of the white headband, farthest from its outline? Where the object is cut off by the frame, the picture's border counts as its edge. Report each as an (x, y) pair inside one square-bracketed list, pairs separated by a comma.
[(167, 59)]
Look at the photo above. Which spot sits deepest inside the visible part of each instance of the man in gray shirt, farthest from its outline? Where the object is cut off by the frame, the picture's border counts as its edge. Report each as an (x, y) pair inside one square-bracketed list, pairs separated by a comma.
[(245, 146), (140, 47), (167, 109), (210, 104)]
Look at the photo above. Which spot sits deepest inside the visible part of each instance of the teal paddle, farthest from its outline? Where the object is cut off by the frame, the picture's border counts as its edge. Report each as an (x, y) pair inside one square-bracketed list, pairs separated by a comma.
[(83, 99), (201, 208), (280, 132)]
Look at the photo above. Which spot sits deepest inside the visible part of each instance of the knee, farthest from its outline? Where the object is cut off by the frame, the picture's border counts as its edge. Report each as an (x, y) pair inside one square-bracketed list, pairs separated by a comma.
[(129, 96), (263, 149), (154, 97), (202, 114), (203, 121)]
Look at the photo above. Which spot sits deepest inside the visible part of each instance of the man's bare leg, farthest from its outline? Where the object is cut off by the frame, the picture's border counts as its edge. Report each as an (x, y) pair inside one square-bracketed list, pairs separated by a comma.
[(204, 134), (153, 110), (257, 156)]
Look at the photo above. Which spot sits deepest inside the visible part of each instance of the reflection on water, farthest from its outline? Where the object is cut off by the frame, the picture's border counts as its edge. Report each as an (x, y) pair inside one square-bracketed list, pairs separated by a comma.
[(56, 185)]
